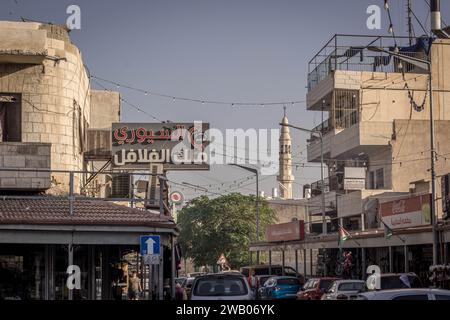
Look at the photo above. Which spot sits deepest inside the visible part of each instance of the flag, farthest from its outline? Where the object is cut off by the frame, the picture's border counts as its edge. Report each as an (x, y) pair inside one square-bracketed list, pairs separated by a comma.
[(387, 231), (343, 234)]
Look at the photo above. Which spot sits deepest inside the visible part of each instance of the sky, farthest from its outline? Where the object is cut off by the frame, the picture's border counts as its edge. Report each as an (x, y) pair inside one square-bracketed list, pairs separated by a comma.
[(227, 50)]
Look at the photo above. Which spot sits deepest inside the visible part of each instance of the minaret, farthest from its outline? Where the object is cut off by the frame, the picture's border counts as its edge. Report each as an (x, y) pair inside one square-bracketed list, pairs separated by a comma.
[(285, 177)]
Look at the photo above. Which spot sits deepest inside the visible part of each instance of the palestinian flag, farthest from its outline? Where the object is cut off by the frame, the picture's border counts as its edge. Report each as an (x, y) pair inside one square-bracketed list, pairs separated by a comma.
[(343, 234), (387, 231)]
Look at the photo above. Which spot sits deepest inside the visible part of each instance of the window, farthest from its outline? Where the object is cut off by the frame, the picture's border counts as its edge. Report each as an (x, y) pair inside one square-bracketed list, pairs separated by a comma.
[(442, 297), (351, 286), (288, 281), (371, 183), (379, 179), (10, 118), (412, 297), (220, 286)]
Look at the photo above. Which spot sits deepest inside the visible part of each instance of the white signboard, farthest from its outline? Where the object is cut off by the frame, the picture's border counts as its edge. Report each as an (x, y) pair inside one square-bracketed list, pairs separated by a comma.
[(354, 184)]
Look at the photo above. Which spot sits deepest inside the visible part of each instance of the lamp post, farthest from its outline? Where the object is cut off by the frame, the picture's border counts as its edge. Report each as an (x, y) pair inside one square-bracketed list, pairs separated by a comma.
[(322, 187), (426, 65), (255, 171)]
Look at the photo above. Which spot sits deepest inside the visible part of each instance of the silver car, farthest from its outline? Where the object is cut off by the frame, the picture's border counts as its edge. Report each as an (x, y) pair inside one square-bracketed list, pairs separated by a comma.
[(221, 286), (343, 289), (406, 294)]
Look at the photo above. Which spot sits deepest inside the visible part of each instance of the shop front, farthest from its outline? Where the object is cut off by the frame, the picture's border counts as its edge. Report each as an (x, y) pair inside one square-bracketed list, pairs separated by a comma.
[(101, 240)]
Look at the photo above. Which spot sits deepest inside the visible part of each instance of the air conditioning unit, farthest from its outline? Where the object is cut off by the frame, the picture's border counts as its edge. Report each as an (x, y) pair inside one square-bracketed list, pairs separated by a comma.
[(120, 187)]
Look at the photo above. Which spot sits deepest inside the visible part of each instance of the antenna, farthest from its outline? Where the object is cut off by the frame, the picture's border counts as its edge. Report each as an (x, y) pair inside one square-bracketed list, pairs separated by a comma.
[(410, 25)]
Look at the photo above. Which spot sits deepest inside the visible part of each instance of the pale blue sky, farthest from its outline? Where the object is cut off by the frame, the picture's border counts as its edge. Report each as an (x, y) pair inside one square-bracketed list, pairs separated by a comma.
[(253, 50)]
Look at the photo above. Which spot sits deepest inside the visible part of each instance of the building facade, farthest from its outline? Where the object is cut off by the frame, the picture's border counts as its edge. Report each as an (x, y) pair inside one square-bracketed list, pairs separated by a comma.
[(53, 130)]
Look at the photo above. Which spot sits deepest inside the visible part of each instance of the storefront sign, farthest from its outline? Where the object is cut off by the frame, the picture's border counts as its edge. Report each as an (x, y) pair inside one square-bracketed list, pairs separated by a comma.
[(407, 212), (354, 178), (289, 231), (175, 145)]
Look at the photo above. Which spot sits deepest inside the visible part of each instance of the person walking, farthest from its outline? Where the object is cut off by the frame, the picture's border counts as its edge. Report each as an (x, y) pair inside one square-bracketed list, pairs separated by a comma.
[(134, 287)]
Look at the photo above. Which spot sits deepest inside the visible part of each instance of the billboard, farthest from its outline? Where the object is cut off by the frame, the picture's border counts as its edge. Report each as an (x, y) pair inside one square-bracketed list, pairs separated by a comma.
[(177, 146), (354, 178), (407, 212), (289, 231)]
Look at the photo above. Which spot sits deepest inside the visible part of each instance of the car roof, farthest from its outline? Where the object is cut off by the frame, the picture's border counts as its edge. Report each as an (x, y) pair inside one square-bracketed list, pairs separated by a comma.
[(324, 278), (224, 274), (349, 281), (283, 277), (405, 290)]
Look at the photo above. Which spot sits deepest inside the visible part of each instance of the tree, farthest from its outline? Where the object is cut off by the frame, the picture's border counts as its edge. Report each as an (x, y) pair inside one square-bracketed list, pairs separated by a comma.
[(226, 224)]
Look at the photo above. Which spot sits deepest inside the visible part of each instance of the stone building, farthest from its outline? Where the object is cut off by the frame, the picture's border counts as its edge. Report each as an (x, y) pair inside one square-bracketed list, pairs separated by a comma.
[(50, 120), (46, 105)]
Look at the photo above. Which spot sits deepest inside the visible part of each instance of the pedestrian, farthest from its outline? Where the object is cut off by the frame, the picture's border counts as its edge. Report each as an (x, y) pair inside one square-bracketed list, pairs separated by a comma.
[(180, 293), (252, 281), (134, 287)]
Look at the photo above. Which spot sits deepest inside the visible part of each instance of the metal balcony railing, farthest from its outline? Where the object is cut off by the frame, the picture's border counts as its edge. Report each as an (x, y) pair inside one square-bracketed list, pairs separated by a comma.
[(349, 52)]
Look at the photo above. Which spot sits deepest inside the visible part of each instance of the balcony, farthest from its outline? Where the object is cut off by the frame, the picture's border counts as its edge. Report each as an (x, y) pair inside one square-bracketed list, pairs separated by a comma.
[(343, 59), (29, 156)]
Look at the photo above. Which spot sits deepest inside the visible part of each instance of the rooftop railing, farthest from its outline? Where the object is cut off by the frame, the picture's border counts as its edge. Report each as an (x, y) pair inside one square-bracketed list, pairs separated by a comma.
[(349, 52)]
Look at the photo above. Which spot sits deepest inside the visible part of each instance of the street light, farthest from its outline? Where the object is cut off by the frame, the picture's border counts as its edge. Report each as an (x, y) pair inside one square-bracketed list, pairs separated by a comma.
[(255, 171), (322, 187), (426, 65)]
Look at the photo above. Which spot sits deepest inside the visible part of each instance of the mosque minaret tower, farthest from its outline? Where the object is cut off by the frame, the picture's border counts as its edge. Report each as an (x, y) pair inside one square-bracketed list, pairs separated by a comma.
[(285, 177)]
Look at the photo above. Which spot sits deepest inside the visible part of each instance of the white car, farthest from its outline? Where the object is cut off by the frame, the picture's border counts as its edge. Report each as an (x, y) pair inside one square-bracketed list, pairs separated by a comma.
[(221, 286), (406, 294), (343, 289)]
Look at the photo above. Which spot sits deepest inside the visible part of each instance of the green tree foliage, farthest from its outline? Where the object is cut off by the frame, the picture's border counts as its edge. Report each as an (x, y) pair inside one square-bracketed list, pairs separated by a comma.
[(226, 224)]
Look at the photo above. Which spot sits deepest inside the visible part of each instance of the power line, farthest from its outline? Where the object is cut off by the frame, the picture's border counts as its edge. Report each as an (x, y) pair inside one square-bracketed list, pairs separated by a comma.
[(198, 100)]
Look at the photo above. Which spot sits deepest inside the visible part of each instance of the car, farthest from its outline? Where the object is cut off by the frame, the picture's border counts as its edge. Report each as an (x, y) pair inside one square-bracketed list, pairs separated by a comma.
[(187, 285), (280, 288), (405, 294), (393, 281), (260, 280), (314, 288), (221, 286), (343, 289), (275, 270)]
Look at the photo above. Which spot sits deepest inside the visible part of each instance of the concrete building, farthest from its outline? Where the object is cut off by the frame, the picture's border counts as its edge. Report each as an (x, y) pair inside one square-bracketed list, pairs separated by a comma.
[(376, 146)]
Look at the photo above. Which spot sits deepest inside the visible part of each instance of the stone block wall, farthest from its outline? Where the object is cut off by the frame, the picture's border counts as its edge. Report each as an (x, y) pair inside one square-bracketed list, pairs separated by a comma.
[(15, 155)]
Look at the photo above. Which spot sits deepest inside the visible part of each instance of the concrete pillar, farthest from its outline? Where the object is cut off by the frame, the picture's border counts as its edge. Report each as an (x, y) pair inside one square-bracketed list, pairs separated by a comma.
[(391, 262), (296, 260), (282, 262), (405, 250), (363, 263), (311, 262), (270, 262), (304, 263)]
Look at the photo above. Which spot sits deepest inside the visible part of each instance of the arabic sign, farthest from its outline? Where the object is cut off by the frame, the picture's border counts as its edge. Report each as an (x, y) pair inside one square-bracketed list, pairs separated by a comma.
[(175, 145), (354, 178), (289, 231), (407, 212)]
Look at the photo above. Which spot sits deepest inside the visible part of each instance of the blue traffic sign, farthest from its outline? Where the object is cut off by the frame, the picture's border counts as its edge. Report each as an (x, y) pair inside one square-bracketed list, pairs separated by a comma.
[(150, 245)]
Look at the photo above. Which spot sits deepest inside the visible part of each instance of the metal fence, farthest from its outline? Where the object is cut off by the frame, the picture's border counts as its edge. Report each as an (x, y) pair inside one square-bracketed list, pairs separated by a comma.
[(350, 52)]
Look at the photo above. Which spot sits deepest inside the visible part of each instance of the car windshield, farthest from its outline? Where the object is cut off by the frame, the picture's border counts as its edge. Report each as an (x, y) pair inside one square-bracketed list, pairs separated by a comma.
[(288, 282), (351, 286), (310, 284), (220, 286), (399, 282), (325, 284)]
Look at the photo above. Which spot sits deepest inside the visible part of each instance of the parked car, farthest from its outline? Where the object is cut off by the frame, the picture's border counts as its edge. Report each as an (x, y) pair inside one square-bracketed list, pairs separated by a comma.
[(393, 281), (260, 281), (280, 288), (221, 286), (187, 285), (274, 270), (406, 294), (343, 289), (314, 288)]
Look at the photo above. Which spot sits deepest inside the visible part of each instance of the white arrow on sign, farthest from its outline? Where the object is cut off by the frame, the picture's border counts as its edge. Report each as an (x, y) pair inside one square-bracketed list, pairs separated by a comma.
[(150, 242)]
